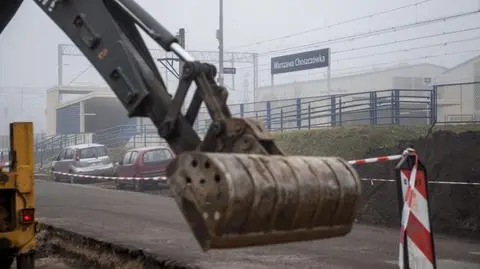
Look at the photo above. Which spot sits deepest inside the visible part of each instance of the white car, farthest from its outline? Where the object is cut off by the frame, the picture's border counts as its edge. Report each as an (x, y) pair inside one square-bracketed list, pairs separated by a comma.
[(84, 159)]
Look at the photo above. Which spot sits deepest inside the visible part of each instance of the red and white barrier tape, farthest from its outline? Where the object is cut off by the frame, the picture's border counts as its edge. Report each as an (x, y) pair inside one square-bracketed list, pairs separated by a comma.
[(382, 158), (430, 182), (376, 159), (372, 180), (111, 178)]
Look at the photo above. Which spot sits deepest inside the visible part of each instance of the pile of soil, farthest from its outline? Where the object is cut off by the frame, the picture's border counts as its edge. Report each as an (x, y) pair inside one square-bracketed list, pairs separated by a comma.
[(447, 156), (450, 153)]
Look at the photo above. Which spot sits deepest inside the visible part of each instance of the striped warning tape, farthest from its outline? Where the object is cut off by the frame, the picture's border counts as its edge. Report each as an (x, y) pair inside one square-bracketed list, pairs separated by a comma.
[(385, 158), (430, 182), (165, 178), (376, 159), (114, 178)]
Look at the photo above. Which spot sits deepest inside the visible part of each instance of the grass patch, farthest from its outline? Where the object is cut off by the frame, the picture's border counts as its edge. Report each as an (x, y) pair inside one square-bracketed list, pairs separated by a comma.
[(352, 142)]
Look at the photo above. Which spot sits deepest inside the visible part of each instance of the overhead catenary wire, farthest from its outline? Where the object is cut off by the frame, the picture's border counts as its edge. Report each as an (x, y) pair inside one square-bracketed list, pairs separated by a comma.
[(363, 35), (371, 33), (370, 67), (81, 73), (368, 16), (395, 42), (440, 44)]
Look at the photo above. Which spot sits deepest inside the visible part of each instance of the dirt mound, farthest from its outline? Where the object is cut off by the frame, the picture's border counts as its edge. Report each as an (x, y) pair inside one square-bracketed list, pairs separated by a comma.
[(449, 154)]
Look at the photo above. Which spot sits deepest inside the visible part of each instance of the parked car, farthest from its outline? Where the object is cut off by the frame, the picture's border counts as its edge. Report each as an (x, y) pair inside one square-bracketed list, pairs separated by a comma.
[(84, 159), (143, 162)]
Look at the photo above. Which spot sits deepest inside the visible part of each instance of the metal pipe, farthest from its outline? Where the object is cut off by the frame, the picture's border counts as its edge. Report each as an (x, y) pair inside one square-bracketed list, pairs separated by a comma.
[(181, 53), (154, 29)]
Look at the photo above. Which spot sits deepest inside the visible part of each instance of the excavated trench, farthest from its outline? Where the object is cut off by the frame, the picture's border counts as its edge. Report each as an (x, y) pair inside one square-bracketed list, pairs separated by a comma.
[(62, 249)]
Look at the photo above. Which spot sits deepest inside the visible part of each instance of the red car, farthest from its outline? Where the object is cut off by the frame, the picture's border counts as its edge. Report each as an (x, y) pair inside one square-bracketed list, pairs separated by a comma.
[(142, 163)]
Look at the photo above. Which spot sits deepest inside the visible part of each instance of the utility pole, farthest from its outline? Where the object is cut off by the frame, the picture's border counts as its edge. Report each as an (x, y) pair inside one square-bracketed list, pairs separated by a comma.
[(181, 40), (60, 64), (220, 45)]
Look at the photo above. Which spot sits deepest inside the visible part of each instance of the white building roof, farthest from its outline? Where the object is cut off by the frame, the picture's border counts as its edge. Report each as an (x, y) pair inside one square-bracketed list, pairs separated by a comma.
[(88, 96)]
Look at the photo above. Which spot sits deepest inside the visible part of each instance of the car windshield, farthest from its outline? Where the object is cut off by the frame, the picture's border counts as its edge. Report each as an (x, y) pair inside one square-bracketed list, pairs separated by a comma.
[(157, 156), (93, 152)]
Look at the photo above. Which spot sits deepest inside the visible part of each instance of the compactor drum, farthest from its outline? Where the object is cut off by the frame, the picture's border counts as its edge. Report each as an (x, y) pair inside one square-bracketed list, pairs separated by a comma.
[(239, 200)]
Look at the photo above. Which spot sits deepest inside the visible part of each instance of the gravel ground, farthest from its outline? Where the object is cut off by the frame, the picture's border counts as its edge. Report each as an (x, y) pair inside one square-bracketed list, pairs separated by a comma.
[(52, 263)]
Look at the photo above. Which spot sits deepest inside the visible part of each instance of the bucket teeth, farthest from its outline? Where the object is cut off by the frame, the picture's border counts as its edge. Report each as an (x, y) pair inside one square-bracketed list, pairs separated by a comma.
[(241, 200)]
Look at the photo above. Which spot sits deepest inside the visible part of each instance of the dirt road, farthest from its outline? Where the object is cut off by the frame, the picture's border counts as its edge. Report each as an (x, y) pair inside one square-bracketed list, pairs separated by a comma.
[(153, 223)]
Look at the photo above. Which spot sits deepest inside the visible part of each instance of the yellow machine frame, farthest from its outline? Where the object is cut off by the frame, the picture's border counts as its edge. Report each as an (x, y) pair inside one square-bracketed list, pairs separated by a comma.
[(20, 179)]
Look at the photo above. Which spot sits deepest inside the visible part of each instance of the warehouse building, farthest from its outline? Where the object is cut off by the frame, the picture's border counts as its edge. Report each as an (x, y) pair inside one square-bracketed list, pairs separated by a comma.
[(87, 110), (91, 109), (458, 91), (419, 76)]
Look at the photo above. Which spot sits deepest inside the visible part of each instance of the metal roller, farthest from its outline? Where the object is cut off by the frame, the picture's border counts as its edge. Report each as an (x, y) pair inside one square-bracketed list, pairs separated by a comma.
[(240, 200)]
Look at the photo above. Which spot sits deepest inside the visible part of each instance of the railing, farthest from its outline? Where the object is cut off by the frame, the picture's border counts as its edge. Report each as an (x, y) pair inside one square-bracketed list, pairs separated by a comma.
[(406, 107)]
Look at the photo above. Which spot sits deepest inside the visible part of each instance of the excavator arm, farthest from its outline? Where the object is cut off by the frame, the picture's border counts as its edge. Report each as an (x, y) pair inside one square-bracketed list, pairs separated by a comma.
[(8, 9), (235, 188)]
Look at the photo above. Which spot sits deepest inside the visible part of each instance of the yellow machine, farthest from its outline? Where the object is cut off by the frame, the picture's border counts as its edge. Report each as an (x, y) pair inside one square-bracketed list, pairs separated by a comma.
[(17, 200)]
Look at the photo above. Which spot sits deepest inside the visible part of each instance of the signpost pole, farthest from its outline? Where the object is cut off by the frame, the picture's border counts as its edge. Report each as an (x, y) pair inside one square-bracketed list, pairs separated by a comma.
[(329, 72), (233, 75)]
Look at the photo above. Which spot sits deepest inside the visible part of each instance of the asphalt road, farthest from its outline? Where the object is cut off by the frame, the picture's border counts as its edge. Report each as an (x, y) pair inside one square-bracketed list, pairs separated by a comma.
[(154, 223)]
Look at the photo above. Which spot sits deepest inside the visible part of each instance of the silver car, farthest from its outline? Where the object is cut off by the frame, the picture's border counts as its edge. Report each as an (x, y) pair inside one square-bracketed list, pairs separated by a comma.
[(84, 159)]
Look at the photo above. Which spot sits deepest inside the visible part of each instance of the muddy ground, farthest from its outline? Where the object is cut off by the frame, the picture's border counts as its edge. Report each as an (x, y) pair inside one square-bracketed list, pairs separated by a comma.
[(450, 153), (47, 258), (60, 249), (447, 156)]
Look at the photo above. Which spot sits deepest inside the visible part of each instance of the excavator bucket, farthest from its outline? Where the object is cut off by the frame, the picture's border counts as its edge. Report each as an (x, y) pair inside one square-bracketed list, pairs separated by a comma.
[(241, 200)]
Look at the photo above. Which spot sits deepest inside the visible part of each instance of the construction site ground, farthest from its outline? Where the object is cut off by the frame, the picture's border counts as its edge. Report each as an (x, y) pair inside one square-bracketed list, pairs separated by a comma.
[(152, 225), (129, 222), (450, 154)]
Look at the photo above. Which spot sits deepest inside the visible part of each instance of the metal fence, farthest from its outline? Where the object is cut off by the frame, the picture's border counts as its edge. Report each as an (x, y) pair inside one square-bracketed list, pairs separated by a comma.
[(448, 104), (408, 107)]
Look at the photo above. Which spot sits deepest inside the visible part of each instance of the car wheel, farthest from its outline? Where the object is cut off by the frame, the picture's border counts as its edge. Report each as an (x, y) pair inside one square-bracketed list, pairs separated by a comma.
[(120, 186), (72, 178), (26, 261), (53, 176), (118, 183), (139, 185)]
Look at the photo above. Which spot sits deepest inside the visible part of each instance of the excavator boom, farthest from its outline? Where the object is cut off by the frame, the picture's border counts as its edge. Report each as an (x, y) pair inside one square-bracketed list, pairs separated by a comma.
[(235, 188), (8, 8)]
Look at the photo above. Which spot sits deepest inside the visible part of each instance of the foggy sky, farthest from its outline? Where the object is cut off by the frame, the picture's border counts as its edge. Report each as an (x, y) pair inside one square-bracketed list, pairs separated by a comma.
[(28, 47)]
